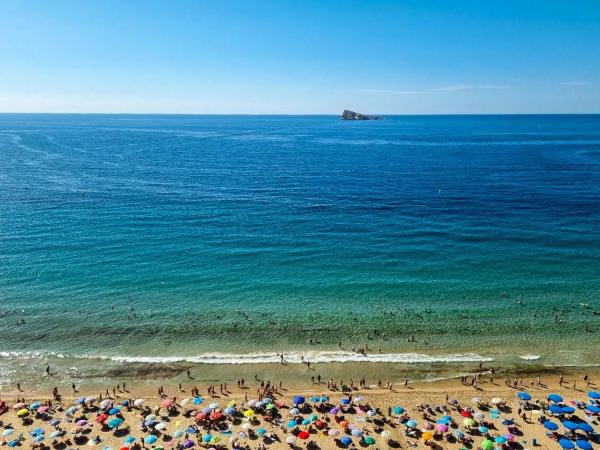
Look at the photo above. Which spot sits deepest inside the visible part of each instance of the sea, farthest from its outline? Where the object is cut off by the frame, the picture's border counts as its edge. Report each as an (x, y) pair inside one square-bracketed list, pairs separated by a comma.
[(425, 242)]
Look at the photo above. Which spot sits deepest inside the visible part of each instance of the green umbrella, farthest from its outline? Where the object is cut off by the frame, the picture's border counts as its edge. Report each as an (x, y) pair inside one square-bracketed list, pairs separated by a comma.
[(487, 445), (369, 440)]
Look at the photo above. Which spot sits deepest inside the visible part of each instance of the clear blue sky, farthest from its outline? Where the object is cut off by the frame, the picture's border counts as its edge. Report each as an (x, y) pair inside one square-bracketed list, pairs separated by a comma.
[(300, 56)]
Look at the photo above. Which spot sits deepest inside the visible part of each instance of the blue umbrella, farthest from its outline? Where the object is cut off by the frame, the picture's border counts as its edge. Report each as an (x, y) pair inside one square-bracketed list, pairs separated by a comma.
[(356, 432), (411, 423), (345, 401), (568, 409), (485, 429), (114, 410), (398, 410), (595, 395), (324, 398), (298, 400), (555, 398), (524, 396), (442, 421), (585, 427), (570, 425), (150, 439), (129, 440), (500, 440), (346, 440), (197, 400), (35, 405), (459, 434), (306, 422), (261, 431), (292, 424), (315, 399), (550, 425), (566, 443), (507, 422), (207, 438), (13, 443), (556, 409), (585, 445), (593, 408)]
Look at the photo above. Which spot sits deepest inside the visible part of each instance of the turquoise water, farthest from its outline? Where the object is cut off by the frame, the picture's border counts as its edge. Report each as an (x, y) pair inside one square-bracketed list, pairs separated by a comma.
[(180, 236)]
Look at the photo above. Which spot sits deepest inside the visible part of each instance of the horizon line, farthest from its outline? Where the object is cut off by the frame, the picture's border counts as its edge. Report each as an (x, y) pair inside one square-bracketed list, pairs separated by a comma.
[(298, 114)]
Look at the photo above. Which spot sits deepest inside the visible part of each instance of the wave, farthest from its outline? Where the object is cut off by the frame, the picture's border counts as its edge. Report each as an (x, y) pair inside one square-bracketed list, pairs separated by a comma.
[(266, 358), (530, 357)]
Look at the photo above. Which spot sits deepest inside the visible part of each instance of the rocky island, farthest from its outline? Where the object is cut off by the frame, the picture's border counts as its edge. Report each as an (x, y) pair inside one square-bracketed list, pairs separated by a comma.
[(353, 115)]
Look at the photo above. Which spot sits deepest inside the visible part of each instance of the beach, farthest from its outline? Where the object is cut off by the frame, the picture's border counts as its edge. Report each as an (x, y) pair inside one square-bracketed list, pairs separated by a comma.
[(369, 409)]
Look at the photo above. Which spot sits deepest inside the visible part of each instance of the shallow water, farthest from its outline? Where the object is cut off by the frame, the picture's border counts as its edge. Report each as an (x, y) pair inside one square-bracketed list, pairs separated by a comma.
[(186, 236)]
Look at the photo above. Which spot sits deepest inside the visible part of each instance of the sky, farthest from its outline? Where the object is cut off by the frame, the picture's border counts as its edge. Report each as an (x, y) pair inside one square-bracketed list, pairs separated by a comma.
[(300, 56)]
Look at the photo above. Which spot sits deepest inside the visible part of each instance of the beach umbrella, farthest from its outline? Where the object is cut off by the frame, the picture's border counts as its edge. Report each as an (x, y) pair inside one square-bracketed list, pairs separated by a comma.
[(213, 405), (500, 440), (496, 400), (185, 401), (292, 424), (129, 440), (468, 422), (201, 416), (595, 395), (369, 440), (466, 413), (207, 438), (583, 444), (160, 426), (107, 403), (151, 439), (187, 443), (386, 434), (569, 425), (35, 405), (8, 432), (507, 422), (346, 441), (524, 396), (260, 431), (398, 410), (43, 409), (345, 401), (18, 406), (567, 409), (81, 423), (442, 428), (101, 418), (555, 409), (54, 434), (356, 432), (566, 443), (429, 426), (54, 422), (139, 402), (166, 403), (14, 443), (267, 400), (216, 416), (303, 435), (459, 434), (305, 422), (90, 399), (585, 427), (555, 398), (333, 432), (320, 424), (334, 410), (113, 411), (22, 412), (427, 435), (593, 408), (344, 424), (483, 430), (177, 434), (411, 423), (291, 440), (298, 400), (486, 444), (249, 413), (550, 425), (197, 400), (294, 412), (229, 411)]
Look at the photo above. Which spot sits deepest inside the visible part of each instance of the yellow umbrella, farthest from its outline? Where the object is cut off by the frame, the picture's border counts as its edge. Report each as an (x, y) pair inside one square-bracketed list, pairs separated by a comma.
[(231, 404), (427, 435), (469, 422), (22, 412), (249, 413)]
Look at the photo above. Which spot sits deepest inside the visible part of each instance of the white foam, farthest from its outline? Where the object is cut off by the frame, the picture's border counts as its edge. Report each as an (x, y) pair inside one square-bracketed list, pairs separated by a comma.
[(530, 357), (269, 358)]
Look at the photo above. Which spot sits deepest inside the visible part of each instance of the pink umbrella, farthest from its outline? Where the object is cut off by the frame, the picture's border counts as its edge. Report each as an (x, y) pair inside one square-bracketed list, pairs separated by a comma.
[(19, 405), (442, 428), (166, 403), (81, 423), (43, 409)]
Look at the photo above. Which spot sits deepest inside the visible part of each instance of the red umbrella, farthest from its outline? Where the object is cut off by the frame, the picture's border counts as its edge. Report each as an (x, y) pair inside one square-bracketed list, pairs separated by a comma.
[(466, 413), (217, 415), (303, 435), (101, 418), (320, 424), (201, 416)]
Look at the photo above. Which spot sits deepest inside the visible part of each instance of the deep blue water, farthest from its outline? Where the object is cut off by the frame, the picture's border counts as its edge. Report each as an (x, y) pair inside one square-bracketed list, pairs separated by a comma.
[(170, 235)]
